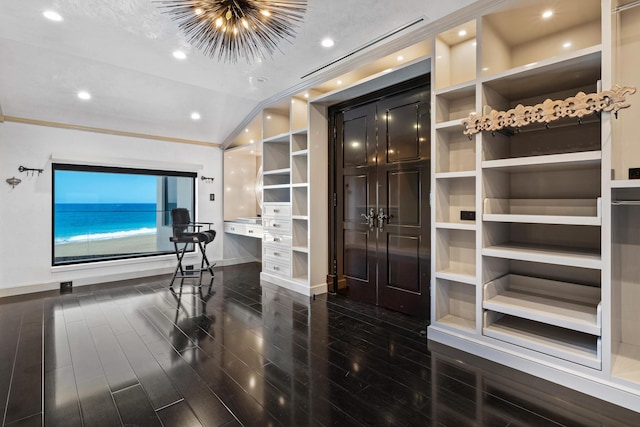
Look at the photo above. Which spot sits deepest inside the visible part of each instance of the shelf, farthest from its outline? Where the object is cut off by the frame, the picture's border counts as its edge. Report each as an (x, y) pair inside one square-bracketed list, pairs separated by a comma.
[(460, 174), (455, 103), (279, 139), (456, 306), (300, 153), (456, 254), (454, 151), (299, 142), (585, 159), (454, 125), (276, 194), (544, 211), (572, 257), (626, 183), (454, 194), (275, 187), (300, 201), (300, 266), (469, 226), (299, 169), (455, 56), (300, 217), (562, 304), (301, 249), (284, 171), (571, 70), (518, 35), (576, 347), (457, 322), (458, 275), (626, 363)]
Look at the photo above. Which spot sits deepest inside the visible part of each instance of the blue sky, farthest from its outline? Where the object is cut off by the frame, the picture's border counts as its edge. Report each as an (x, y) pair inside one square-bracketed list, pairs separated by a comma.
[(98, 187)]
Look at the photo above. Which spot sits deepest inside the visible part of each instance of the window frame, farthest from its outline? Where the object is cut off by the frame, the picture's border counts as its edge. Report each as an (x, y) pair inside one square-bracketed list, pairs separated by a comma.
[(60, 166)]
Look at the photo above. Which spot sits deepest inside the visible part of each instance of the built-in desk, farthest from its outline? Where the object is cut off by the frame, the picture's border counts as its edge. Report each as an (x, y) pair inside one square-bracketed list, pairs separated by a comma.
[(250, 227)]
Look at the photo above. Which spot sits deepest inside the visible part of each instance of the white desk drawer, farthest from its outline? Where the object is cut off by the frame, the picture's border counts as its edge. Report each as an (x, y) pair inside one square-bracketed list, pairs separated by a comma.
[(268, 266), (276, 253), (280, 239), (254, 231), (277, 225), (235, 228), (276, 211)]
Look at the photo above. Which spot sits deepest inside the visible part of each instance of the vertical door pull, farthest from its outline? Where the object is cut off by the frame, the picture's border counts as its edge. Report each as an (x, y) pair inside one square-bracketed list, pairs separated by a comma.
[(381, 218), (370, 218)]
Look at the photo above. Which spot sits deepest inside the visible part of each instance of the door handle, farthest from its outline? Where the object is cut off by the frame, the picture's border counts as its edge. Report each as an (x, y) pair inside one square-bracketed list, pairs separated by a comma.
[(370, 218), (381, 218)]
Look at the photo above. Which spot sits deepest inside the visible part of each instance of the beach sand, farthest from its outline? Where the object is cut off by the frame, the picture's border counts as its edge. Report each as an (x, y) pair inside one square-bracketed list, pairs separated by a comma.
[(120, 245)]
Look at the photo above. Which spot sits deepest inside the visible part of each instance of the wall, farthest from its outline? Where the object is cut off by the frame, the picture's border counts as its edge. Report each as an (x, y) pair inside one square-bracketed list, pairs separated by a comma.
[(25, 228)]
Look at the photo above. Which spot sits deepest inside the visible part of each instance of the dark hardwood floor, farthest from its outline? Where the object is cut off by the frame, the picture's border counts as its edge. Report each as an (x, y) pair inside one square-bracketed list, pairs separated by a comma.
[(132, 353)]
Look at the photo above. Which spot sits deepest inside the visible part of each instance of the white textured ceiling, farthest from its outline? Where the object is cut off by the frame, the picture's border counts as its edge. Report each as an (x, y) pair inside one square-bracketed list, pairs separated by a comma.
[(121, 52)]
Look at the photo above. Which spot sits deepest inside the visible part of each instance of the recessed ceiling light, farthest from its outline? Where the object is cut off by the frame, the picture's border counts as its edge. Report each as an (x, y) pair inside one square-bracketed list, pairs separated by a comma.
[(306, 95), (195, 116), (566, 45), (84, 95), (462, 33), (327, 42), (547, 14), (251, 141), (474, 44), (178, 54), (268, 117), (400, 58), (52, 15), (485, 69), (246, 130)]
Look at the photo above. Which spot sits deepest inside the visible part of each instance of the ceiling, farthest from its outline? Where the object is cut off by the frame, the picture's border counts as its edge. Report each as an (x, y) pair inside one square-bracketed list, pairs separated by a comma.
[(120, 51)]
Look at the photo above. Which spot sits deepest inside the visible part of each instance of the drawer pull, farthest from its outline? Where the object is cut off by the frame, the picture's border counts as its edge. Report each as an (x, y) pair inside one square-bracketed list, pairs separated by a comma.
[(276, 239), (276, 254), (275, 226), (275, 267), (276, 210), (250, 231), (233, 229)]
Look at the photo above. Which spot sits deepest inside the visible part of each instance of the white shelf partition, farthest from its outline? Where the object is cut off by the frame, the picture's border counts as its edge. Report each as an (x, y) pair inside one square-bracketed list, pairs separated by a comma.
[(546, 162), (573, 257), (544, 211), (562, 304), (575, 347)]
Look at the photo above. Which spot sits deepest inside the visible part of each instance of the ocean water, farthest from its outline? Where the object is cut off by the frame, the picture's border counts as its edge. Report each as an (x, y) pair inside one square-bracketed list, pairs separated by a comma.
[(99, 221)]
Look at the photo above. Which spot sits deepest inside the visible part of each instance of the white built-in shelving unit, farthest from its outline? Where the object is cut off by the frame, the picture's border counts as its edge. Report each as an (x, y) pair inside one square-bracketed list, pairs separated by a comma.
[(291, 164), (546, 278)]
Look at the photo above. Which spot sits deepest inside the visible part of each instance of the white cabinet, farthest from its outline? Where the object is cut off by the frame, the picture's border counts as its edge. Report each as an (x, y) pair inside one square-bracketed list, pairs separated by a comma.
[(276, 244)]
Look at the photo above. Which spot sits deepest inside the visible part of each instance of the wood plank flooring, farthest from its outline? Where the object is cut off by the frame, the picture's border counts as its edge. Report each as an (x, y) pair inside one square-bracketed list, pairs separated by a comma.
[(241, 354)]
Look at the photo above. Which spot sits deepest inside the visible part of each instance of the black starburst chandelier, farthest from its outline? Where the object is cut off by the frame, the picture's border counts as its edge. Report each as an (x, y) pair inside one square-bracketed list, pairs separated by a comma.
[(230, 29)]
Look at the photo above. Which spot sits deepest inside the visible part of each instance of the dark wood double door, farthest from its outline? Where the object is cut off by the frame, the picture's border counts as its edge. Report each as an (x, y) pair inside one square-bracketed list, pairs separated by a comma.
[(382, 216)]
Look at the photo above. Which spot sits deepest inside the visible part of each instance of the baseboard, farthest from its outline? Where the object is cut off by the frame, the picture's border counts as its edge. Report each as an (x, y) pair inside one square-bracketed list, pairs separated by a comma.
[(293, 285), (84, 281), (234, 261)]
